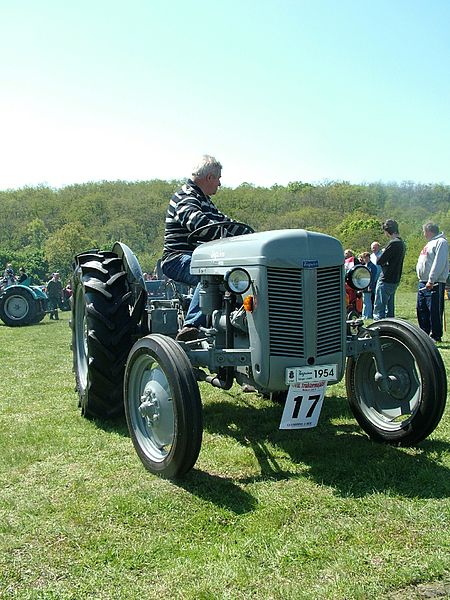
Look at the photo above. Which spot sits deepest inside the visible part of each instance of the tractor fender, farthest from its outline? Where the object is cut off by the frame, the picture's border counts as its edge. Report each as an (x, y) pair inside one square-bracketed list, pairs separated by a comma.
[(38, 292), (34, 290), (132, 268)]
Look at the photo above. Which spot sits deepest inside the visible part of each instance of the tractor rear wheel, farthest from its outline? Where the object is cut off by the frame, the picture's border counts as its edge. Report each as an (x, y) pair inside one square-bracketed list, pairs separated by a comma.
[(101, 332)]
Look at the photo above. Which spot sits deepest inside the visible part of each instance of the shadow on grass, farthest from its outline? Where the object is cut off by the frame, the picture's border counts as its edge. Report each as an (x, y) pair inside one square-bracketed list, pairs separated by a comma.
[(117, 425), (221, 491), (340, 456)]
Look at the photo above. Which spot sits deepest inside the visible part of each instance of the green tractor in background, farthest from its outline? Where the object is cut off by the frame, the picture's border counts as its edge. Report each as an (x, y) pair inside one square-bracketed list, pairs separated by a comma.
[(22, 304)]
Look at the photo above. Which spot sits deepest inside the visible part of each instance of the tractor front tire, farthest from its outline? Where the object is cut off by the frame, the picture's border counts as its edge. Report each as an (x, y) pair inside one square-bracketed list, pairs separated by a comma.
[(163, 406), (413, 405)]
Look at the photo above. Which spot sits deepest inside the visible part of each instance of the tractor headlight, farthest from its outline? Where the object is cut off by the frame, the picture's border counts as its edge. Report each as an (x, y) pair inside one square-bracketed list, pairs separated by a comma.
[(237, 281), (358, 277)]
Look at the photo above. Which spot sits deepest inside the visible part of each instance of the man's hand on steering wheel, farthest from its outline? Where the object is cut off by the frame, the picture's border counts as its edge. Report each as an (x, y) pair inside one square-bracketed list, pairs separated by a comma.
[(224, 224)]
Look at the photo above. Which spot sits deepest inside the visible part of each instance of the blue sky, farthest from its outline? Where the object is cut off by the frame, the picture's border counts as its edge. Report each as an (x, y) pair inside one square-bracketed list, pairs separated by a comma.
[(277, 90)]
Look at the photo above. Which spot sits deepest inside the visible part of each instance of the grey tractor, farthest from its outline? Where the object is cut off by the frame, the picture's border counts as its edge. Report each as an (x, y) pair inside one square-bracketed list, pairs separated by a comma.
[(276, 321)]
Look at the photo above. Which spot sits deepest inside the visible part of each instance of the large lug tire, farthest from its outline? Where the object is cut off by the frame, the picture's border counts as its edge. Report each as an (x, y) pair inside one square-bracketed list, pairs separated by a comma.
[(101, 333), (163, 406), (17, 307), (414, 405)]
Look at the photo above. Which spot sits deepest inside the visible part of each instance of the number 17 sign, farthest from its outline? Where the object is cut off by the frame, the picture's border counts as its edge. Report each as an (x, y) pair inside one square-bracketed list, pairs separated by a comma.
[(303, 405)]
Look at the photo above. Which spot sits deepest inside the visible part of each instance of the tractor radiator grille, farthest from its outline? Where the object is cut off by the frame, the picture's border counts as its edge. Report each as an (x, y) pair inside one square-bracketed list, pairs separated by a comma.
[(329, 310), (285, 312)]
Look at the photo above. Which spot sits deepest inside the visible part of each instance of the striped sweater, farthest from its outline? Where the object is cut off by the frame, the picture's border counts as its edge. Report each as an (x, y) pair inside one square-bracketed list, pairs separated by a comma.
[(189, 209)]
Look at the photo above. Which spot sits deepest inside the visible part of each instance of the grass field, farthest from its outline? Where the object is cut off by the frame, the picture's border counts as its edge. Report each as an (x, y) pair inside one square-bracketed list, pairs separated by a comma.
[(323, 513)]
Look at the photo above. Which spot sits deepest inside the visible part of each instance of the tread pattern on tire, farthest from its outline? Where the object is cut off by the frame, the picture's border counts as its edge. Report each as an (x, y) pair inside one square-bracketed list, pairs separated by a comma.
[(105, 294)]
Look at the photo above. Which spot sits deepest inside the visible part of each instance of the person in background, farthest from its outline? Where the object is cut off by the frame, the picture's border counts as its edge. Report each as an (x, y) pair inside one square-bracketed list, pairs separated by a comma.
[(432, 271), (68, 290), (391, 263), (191, 207), (367, 312), (375, 254), (8, 276), (376, 251), (349, 259), (22, 275), (8, 269), (55, 295)]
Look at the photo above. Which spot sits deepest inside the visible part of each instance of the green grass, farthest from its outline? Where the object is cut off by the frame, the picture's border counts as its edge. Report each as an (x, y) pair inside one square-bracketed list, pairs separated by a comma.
[(323, 513)]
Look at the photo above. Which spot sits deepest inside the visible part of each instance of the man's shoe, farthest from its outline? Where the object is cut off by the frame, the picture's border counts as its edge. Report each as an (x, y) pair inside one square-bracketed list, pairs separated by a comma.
[(435, 340), (187, 334)]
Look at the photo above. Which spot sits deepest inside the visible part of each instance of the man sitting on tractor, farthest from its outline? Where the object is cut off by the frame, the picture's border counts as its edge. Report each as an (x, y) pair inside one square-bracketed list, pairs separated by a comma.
[(189, 209)]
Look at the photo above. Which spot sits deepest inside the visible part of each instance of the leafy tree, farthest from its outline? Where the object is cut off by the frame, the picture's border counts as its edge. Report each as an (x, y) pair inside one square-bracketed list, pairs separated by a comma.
[(64, 244), (358, 231), (37, 233), (41, 224), (34, 263), (297, 186), (414, 245)]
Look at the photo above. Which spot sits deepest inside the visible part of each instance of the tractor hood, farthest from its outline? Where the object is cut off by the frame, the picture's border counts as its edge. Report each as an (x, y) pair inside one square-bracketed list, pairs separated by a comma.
[(283, 248)]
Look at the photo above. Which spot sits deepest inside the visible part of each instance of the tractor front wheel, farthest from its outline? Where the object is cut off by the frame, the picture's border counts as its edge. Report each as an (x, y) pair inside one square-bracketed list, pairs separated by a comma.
[(163, 406), (413, 405)]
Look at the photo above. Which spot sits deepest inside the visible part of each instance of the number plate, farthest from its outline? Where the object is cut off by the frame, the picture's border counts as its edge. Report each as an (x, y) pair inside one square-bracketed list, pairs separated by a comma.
[(303, 405), (315, 373)]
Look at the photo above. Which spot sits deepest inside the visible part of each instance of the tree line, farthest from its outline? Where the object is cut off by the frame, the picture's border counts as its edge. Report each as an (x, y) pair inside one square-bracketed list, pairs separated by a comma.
[(42, 228)]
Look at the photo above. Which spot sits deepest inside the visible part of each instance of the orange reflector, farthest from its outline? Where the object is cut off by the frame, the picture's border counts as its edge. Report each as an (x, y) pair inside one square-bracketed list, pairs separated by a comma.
[(248, 303)]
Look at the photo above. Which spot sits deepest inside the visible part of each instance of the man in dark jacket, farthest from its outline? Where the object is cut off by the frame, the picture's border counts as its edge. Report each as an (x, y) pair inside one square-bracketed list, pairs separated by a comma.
[(391, 263), (191, 207), (54, 293), (22, 275)]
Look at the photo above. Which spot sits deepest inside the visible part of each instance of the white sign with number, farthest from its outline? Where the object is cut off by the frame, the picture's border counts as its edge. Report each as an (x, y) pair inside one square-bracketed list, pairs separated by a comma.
[(303, 405)]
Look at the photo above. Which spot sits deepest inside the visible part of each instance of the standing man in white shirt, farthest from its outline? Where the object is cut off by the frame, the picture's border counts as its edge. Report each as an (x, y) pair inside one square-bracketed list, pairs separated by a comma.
[(432, 271), (376, 252)]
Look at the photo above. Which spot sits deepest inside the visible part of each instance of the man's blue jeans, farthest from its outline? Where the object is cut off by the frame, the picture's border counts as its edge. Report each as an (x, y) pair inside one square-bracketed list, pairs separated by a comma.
[(430, 309), (179, 269), (367, 305), (384, 300)]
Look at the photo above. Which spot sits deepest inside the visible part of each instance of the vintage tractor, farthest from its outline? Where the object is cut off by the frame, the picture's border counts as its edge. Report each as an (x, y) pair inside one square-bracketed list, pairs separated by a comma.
[(276, 320), (22, 304)]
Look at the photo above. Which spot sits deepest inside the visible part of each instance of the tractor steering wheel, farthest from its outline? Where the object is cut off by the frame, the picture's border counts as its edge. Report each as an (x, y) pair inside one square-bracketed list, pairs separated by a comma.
[(224, 224)]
